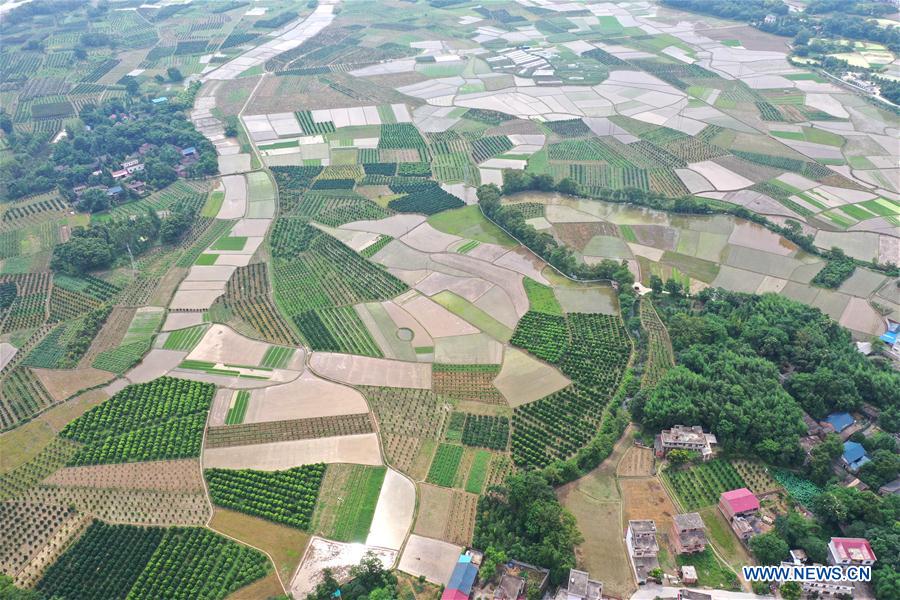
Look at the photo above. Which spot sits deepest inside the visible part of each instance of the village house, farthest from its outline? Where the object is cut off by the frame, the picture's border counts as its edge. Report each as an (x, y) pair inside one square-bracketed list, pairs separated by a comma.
[(461, 580), (843, 423), (640, 539), (516, 579), (688, 575), (120, 174), (740, 508), (854, 456), (582, 587), (820, 588), (850, 551), (684, 438), (688, 533)]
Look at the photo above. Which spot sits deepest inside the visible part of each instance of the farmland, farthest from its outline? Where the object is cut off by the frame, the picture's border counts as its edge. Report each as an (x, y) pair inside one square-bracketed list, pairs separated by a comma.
[(259, 294)]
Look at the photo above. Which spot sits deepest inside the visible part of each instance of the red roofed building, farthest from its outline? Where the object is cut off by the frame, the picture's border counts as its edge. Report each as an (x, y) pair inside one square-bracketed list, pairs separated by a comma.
[(738, 503), (850, 551)]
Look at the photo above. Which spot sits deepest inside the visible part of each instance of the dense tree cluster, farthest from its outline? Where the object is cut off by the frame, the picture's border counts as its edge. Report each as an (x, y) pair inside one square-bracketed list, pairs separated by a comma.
[(545, 245), (748, 364), (368, 581), (102, 245), (523, 518)]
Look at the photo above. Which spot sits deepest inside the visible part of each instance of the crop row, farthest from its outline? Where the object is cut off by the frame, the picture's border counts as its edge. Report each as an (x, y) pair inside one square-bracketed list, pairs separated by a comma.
[(337, 329), (288, 430), (702, 484)]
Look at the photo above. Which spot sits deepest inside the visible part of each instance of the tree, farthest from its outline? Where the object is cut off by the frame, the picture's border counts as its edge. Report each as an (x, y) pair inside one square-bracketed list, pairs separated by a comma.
[(567, 185), (656, 284), (822, 456), (790, 590), (93, 200), (174, 74), (673, 287), (132, 87), (680, 456), (492, 558), (769, 548), (80, 255)]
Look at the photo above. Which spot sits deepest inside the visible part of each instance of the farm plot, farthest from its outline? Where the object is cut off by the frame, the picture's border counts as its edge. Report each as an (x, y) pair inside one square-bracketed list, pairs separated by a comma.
[(135, 343), (337, 329), (167, 476), (278, 456), (473, 383), (247, 296), (287, 430), (330, 274), (21, 396), (702, 484), (660, 356), (28, 528), (444, 466), (28, 474), (393, 512), (162, 419), (287, 497), (348, 498)]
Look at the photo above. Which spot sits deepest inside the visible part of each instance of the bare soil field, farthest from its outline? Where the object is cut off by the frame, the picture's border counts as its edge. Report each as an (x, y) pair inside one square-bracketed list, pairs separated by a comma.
[(358, 449), (393, 513), (434, 510), (524, 379), (137, 507), (432, 558), (637, 462), (646, 498), (284, 544), (597, 505), (337, 556), (63, 383), (164, 476), (362, 370), (24, 443), (461, 523), (307, 396), (267, 587), (110, 335)]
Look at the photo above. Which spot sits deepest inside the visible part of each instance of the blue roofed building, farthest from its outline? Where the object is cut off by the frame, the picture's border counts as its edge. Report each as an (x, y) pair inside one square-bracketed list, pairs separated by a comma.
[(854, 456), (461, 580), (189, 151), (840, 421), (159, 100)]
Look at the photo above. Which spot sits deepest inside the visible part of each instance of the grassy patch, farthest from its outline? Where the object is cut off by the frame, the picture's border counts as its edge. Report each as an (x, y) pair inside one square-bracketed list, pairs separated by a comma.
[(237, 412), (213, 204), (474, 315), (468, 222), (206, 259), (444, 466), (24, 443), (478, 471), (345, 510), (277, 357), (710, 572), (229, 243), (541, 298), (184, 339)]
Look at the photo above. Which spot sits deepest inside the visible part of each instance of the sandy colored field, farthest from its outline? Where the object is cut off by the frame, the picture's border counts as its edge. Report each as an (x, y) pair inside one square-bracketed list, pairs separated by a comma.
[(235, 203), (595, 501), (155, 364), (267, 587), (432, 558), (437, 320), (434, 510), (646, 498), (60, 415), (305, 397), (362, 370), (524, 379), (393, 513), (181, 320), (637, 462), (62, 384), (337, 556), (23, 443), (284, 544), (166, 475), (361, 449), (222, 344)]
